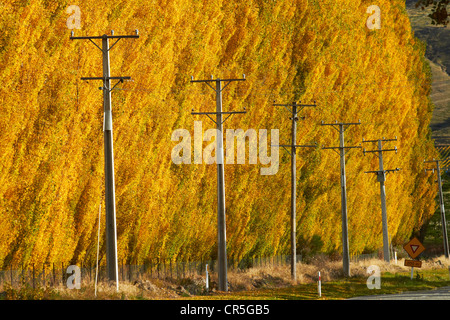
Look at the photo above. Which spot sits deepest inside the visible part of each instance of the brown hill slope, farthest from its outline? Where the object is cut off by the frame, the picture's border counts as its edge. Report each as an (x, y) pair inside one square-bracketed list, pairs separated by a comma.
[(438, 53)]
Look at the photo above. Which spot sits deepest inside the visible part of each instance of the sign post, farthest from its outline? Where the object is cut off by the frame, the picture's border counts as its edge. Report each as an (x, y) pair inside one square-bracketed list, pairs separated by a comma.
[(414, 248)]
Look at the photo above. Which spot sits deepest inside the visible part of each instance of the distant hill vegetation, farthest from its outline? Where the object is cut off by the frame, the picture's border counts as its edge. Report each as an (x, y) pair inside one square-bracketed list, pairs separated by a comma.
[(51, 139), (436, 38)]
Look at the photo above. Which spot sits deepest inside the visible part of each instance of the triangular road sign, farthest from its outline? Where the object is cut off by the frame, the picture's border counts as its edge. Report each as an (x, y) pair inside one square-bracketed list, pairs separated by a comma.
[(414, 248)]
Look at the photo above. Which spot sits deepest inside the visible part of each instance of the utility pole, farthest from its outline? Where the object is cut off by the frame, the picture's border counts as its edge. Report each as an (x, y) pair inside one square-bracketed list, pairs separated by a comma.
[(294, 111), (341, 127), (441, 204), (381, 177), (221, 217), (111, 228)]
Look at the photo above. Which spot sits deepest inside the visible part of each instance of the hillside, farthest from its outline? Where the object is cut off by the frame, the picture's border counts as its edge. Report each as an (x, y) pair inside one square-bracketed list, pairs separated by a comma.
[(440, 95), (438, 54), (51, 139)]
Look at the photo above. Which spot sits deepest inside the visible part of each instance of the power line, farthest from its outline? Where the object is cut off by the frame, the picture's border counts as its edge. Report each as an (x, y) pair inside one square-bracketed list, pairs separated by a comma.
[(221, 218), (340, 127), (381, 176), (111, 228), (441, 203), (294, 111)]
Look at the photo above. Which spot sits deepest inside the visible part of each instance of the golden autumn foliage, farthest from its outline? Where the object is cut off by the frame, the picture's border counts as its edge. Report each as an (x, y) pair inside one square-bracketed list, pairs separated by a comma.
[(51, 139)]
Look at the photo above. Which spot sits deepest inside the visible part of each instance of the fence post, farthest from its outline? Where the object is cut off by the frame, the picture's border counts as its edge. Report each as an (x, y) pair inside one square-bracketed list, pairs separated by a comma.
[(12, 282), (165, 269), (157, 267), (123, 279), (34, 287), (207, 278), (320, 286), (130, 272)]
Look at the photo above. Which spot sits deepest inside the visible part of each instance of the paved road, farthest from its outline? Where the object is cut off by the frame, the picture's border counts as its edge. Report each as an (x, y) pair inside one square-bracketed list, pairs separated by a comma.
[(436, 294)]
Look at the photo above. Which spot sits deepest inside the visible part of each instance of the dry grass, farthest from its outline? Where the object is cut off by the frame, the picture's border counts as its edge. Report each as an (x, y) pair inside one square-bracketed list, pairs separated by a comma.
[(330, 271), (252, 279)]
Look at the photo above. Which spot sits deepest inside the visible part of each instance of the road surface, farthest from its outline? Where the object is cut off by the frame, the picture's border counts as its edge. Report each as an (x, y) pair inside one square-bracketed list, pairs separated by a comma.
[(436, 294)]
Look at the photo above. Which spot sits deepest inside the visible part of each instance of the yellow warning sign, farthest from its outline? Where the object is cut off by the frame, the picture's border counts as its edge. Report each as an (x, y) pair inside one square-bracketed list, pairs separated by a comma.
[(414, 248)]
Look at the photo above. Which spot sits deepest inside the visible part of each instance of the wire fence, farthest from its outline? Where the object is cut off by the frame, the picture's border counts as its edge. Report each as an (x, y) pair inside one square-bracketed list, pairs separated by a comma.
[(58, 274)]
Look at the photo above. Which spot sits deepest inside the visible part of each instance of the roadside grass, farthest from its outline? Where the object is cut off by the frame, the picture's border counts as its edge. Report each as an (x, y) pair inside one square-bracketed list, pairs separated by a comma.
[(260, 283), (391, 283)]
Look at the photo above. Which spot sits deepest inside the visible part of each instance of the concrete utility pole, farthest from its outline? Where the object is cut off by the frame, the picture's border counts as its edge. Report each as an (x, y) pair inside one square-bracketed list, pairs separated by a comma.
[(381, 176), (111, 230), (441, 204), (345, 248), (294, 111), (221, 218)]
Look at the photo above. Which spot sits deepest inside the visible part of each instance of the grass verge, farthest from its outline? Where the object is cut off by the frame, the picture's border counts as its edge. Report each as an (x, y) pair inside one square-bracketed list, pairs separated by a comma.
[(261, 283)]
